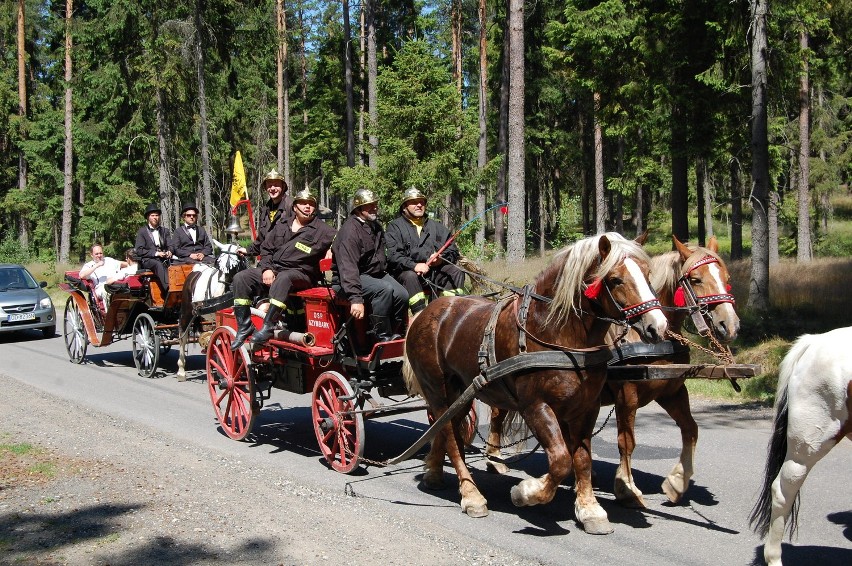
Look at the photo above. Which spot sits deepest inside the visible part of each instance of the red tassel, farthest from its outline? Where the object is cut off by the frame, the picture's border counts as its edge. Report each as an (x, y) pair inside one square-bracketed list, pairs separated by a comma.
[(728, 287), (679, 299), (593, 290)]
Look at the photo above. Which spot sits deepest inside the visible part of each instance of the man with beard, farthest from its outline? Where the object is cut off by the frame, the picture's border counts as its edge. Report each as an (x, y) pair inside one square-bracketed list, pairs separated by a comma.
[(152, 246), (413, 240), (360, 270), (290, 256), (276, 208), (190, 243)]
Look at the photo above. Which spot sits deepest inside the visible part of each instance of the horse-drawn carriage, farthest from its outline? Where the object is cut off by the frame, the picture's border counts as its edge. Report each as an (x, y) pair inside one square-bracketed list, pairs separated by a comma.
[(135, 308)]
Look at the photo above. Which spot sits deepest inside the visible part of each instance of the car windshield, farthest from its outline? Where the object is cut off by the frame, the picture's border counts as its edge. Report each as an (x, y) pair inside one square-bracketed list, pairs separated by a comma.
[(16, 278)]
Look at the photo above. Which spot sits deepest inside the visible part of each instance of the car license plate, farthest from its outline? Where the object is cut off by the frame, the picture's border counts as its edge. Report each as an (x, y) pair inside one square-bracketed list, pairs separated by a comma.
[(21, 316)]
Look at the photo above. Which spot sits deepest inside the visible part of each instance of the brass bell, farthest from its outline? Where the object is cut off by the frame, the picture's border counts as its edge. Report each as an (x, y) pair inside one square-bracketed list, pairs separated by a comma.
[(233, 228)]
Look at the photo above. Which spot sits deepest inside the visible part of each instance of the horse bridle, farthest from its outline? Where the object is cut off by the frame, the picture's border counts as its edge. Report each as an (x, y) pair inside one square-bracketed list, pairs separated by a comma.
[(629, 313), (686, 292)]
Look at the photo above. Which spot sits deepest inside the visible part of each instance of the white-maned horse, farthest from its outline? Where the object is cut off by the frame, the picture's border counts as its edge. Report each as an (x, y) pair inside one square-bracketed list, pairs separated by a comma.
[(203, 283), (812, 414)]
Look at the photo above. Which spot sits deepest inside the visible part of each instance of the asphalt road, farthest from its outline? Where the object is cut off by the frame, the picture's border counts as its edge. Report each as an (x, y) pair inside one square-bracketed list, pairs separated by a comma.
[(709, 527)]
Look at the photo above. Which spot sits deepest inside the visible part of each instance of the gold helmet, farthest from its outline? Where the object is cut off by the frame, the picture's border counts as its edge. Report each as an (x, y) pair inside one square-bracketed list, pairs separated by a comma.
[(362, 197), (411, 194), (274, 175), (305, 195)]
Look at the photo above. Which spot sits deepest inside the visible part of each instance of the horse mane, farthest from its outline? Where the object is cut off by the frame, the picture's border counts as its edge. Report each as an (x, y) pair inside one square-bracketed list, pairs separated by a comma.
[(667, 268), (572, 264)]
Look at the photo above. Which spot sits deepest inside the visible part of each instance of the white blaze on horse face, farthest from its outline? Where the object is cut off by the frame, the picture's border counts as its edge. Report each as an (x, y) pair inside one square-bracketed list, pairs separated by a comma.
[(655, 316)]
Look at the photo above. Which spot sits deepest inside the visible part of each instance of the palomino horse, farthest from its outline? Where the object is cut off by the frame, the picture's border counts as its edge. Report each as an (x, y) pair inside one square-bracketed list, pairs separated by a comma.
[(202, 284), (812, 414), (588, 286), (696, 271)]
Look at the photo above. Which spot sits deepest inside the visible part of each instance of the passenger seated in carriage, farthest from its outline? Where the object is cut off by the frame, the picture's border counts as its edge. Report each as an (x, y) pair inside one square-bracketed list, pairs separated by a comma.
[(413, 241), (100, 270), (190, 242), (290, 256), (360, 270), (152, 246)]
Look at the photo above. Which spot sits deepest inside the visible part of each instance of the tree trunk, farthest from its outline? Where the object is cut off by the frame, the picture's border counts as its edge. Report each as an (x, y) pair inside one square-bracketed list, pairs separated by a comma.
[(202, 115), (283, 93), (680, 172), (362, 82), (758, 296), (600, 194), (163, 139), (708, 201), (772, 227), (372, 76), (700, 170), (482, 158), (502, 141), (68, 169), (23, 228), (303, 66), (347, 66), (516, 237), (804, 248), (736, 211)]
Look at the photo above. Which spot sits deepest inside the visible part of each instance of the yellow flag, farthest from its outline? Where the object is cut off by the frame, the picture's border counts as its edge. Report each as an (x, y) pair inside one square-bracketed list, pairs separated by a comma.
[(238, 185)]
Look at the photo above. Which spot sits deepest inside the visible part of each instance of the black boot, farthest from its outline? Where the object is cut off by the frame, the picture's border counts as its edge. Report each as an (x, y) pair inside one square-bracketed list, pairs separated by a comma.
[(382, 329), (262, 336), (244, 325)]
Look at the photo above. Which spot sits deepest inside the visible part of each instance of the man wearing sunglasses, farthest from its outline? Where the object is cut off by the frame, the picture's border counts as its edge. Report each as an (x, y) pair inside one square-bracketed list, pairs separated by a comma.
[(190, 243)]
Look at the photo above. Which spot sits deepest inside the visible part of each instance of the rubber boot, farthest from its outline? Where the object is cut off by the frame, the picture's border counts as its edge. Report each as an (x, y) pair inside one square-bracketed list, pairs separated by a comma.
[(245, 327), (262, 336), (381, 328)]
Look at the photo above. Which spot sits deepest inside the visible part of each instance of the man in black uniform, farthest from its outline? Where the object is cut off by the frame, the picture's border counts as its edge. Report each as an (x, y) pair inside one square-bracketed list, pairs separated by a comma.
[(152, 246), (290, 256), (413, 240), (276, 208), (360, 269), (190, 243)]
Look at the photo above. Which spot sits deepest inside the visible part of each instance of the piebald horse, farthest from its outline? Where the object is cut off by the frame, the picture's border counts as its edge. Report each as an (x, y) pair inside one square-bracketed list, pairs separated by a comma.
[(588, 286), (203, 283), (813, 405), (701, 273)]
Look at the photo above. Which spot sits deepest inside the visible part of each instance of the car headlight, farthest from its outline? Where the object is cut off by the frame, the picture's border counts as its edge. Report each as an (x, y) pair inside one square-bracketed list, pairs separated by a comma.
[(45, 303)]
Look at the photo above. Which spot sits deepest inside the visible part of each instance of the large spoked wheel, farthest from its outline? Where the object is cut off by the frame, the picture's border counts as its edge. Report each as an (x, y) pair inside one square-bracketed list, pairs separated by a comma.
[(340, 432), (76, 340), (146, 345), (231, 384)]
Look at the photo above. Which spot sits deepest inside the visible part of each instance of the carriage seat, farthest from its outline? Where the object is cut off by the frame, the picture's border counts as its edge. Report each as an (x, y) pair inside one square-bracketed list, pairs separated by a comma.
[(177, 277), (85, 286)]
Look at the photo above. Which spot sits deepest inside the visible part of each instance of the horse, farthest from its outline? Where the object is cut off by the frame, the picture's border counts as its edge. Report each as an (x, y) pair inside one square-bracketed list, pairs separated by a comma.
[(696, 271), (813, 405), (563, 316), (203, 283)]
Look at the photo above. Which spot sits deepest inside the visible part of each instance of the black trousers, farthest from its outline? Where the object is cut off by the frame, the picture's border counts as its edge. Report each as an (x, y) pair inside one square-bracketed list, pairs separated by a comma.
[(248, 284), (385, 295), (158, 267), (445, 277)]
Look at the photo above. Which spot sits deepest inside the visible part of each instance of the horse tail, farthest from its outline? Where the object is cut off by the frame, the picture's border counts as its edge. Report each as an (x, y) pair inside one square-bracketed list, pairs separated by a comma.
[(515, 430), (409, 377), (762, 511)]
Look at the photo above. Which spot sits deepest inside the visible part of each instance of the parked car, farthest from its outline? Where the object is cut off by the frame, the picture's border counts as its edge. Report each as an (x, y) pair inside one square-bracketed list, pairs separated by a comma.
[(24, 304)]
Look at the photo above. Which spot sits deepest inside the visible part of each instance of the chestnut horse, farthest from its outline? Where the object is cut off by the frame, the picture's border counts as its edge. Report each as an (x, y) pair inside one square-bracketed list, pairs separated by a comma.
[(588, 286), (698, 271), (813, 412)]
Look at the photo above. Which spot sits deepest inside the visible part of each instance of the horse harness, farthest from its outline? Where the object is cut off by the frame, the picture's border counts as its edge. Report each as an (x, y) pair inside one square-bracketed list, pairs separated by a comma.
[(686, 297)]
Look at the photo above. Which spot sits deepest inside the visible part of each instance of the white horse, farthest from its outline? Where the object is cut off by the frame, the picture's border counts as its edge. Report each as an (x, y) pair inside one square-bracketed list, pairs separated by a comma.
[(204, 283), (812, 414)]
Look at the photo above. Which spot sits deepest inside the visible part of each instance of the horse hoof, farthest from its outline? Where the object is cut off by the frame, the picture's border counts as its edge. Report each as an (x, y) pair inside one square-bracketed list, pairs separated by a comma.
[(181, 377), (633, 502), (598, 526), (476, 511), (670, 491), (434, 482), (496, 467)]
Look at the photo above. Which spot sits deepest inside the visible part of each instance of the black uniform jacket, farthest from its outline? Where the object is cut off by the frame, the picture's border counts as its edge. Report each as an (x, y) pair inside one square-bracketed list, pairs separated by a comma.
[(182, 244), (284, 209), (406, 248), (358, 249), (282, 249), (145, 246)]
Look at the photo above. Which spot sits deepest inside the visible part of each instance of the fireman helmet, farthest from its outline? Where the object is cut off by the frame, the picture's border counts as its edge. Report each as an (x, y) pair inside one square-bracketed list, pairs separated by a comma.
[(363, 197)]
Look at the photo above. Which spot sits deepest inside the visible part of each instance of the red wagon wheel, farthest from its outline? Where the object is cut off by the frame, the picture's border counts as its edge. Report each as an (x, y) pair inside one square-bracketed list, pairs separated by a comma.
[(230, 382), (340, 432)]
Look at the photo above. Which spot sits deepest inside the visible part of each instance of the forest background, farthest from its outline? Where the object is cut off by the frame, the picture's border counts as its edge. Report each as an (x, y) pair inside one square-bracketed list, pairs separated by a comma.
[(689, 117)]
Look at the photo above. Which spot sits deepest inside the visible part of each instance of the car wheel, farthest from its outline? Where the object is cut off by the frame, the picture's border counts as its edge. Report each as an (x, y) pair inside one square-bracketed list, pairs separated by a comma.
[(49, 332)]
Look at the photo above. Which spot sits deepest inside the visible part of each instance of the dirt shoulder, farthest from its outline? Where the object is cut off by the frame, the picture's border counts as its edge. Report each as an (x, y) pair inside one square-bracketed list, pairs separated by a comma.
[(80, 487)]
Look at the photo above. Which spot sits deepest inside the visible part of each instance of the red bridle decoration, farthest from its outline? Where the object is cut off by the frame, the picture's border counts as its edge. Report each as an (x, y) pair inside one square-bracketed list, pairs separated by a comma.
[(593, 291)]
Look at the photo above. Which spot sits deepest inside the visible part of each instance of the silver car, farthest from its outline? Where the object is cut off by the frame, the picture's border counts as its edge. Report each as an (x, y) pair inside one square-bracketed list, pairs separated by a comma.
[(24, 304)]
